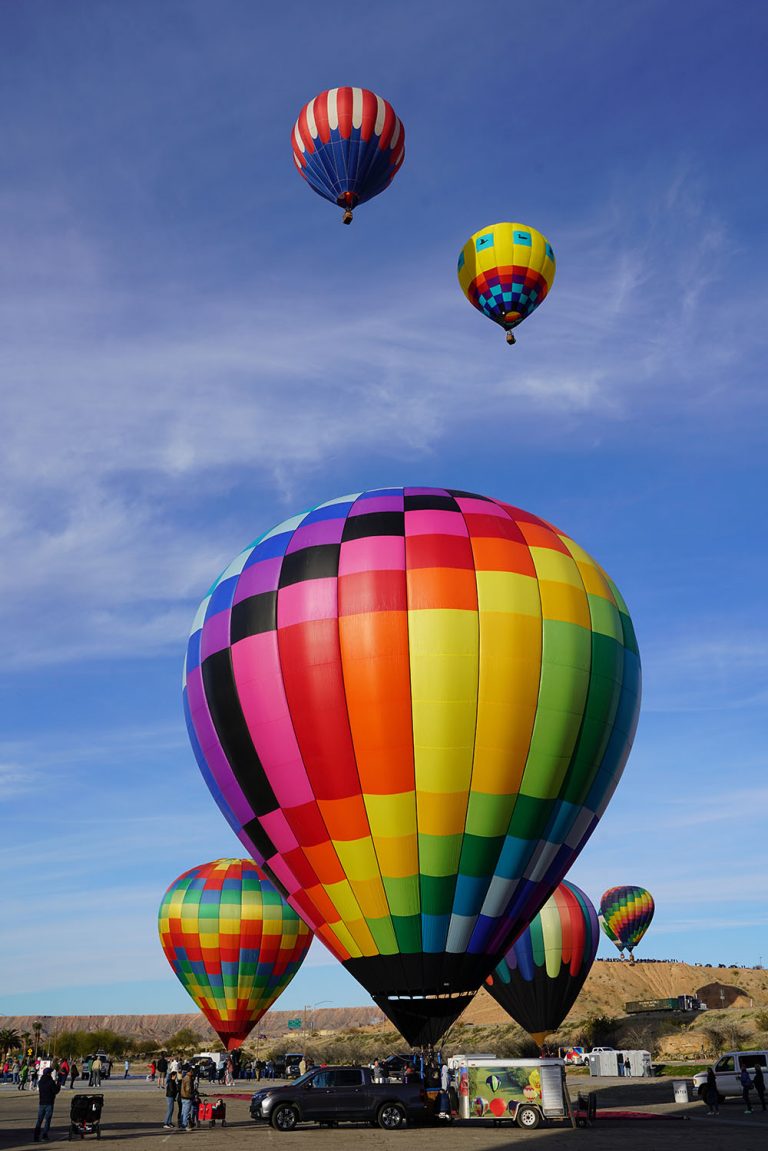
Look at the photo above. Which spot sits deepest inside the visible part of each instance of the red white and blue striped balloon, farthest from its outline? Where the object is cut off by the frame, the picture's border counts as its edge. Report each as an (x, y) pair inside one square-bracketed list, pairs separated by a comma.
[(348, 144)]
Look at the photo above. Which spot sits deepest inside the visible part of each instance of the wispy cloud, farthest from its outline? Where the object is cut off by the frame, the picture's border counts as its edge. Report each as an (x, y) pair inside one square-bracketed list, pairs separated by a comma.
[(127, 425), (713, 665)]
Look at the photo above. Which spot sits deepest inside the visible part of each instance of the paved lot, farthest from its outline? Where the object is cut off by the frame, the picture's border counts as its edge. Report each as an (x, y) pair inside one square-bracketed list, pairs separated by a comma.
[(134, 1109)]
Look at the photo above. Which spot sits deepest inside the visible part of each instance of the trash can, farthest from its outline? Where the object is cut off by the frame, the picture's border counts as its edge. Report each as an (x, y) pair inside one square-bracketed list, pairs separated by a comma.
[(681, 1090)]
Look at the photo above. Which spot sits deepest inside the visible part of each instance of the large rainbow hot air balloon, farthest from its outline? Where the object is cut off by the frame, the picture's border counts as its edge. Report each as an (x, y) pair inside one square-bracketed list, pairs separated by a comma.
[(233, 942), (413, 705), (348, 145), (540, 977), (625, 915), (505, 271)]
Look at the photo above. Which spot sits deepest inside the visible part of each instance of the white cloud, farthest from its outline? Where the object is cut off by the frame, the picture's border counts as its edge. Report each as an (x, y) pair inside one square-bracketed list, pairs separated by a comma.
[(127, 424)]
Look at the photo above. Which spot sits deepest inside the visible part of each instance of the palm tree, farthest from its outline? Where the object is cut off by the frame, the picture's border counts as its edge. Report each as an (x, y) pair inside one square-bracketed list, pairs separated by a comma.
[(9, 1040)]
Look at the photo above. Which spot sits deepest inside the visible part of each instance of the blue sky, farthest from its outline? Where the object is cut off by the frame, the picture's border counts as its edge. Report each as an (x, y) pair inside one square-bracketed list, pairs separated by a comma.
[(193, 348)]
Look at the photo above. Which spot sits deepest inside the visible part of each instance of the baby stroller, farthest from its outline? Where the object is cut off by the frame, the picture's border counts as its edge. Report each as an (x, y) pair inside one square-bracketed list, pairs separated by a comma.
[(212, 1111), (85, 1116)]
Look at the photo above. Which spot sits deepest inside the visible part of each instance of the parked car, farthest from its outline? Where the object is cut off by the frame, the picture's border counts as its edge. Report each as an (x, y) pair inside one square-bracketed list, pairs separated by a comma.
[(330, 1095), (727, 1071)]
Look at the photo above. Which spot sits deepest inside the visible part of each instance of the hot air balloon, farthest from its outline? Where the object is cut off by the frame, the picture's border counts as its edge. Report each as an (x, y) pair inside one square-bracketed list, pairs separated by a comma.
[(539, 979), (348, 144), (505, 271), (625, 915), (413, 705), (233, 942)]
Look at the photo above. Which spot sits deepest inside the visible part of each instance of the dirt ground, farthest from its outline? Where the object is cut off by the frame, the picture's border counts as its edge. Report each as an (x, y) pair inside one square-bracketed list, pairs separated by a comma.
[(134, 1110)]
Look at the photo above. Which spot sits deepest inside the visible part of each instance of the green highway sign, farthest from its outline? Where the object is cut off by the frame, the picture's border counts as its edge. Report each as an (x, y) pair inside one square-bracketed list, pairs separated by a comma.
[(294, 1025)]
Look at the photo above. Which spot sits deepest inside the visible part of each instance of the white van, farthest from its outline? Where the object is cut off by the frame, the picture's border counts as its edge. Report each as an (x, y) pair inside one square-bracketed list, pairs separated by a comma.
[(727, 1071)]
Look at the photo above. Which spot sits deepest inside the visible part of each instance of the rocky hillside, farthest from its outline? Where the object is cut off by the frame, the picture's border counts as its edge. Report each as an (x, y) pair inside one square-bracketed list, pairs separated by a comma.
[(159, 1027), (609, 986)]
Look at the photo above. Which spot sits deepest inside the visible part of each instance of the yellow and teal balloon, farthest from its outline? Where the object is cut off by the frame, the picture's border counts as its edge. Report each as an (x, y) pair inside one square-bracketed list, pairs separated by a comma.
[(505, 271)]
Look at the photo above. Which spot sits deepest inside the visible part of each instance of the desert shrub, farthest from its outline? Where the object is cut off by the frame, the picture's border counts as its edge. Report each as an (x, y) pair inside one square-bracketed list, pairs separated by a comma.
[(599, 1030)]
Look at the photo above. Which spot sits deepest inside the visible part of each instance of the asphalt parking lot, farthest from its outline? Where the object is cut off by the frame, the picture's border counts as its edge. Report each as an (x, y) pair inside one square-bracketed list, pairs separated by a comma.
[(134, 1110)]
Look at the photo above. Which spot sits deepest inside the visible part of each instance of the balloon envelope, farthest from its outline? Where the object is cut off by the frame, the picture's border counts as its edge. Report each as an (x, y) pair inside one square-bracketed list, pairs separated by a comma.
[(626, 914), (505, 271), (413, 705), (348, 145), (233, 942), (540, 977)]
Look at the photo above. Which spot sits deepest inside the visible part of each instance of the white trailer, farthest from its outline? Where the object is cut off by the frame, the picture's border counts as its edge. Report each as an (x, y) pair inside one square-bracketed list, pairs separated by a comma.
[(628, 1063), (521, 1091)]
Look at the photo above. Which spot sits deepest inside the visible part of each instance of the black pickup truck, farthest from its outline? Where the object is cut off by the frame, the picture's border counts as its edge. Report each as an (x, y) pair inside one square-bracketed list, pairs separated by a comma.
[(330, 1095)]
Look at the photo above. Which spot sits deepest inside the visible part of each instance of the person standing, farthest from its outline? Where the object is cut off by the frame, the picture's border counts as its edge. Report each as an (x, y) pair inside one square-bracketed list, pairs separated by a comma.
[(746, 1086), (73, 1074), (96, 1072), (48, 1090), (126, 1068), (627, 1067), (171, 1094), (711, 1094), (187, 1099), (759, 1085), (162, 1069)]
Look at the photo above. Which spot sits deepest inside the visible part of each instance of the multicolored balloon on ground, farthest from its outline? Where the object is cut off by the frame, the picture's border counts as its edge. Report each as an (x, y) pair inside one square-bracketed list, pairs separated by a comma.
[(348, 145), (413, 705), (539, 979), (625, 915), (505, 271), (233, 942)]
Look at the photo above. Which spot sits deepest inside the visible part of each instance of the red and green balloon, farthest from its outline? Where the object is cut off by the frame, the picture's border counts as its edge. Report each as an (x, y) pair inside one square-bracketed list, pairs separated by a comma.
[(232, 941), (540, 977)]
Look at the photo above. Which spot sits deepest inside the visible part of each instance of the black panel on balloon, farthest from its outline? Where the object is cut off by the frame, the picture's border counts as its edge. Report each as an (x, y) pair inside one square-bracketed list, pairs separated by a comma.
[(321, 562), (421, 974), (469, 495), (374, 524), (540, 1004), (259, 838), (423, 1022), (232, 730), (253, 616), (430, 503)]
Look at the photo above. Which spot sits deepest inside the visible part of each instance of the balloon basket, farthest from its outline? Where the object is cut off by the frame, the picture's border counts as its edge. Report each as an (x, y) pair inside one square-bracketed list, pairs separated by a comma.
[(347, 217), (511, 338)]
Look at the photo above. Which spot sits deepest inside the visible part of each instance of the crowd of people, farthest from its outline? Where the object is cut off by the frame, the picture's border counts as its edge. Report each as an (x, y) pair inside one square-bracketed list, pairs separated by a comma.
[(25, 1073)]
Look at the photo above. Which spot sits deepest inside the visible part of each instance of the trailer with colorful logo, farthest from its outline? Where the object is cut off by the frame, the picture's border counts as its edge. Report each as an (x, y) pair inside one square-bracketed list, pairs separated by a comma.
[(521, 1091)]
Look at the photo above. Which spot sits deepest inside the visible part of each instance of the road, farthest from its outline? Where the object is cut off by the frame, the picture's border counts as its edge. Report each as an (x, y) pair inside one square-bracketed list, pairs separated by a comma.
[(134, 1110)]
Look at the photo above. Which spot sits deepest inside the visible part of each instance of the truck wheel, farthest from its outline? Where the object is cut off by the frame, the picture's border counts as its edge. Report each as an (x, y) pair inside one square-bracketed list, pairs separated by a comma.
[(391, 1116), (702, 1091), (284, 1117), (527, 1117)]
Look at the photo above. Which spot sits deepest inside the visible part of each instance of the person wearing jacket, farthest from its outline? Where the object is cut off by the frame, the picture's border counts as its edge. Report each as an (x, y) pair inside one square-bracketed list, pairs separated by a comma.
[(48, 1089), (187, 1099), (746, 1087), (171, 1093)]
